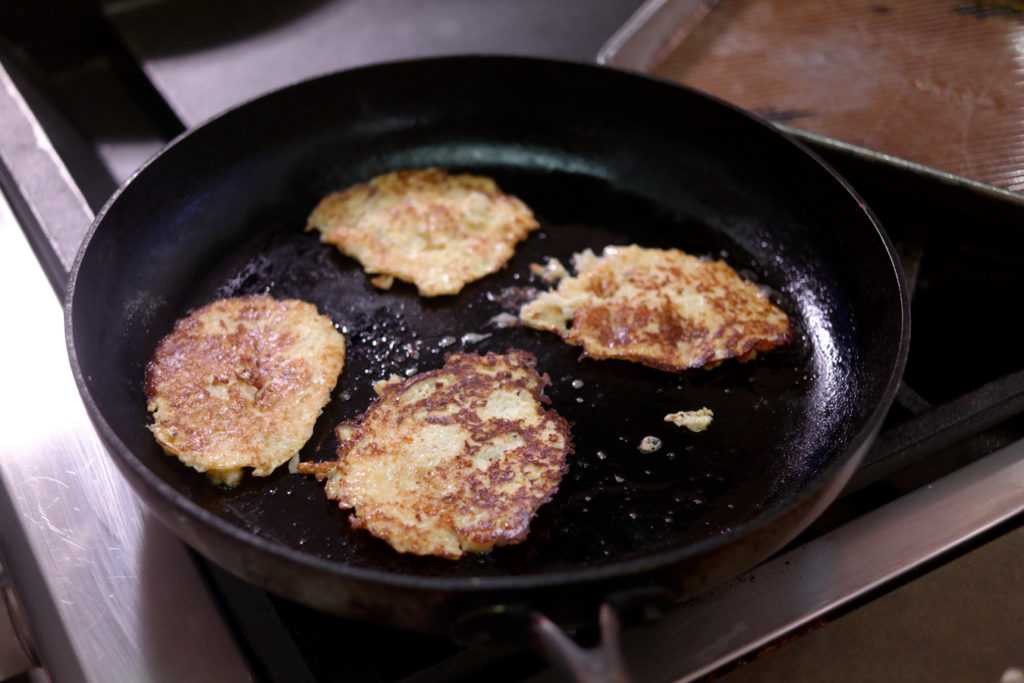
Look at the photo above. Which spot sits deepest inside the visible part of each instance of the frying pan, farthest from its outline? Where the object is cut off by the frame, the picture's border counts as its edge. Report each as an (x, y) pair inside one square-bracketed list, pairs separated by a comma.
[(603, 157)]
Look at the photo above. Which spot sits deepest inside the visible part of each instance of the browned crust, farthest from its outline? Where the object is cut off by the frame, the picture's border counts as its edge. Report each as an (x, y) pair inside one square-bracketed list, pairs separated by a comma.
[(240, 382), (462, 504), (633, 305), (436, 230)]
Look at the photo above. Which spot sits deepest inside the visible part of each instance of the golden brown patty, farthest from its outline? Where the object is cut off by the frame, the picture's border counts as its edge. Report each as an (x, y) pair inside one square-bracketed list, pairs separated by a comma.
[(435, 230), (694, 420), (660, 307), (240, 383), (453, 460)]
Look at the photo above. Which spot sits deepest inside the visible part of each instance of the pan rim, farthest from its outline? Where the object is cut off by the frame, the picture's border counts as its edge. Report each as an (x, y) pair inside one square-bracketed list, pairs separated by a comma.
[(143, 476)]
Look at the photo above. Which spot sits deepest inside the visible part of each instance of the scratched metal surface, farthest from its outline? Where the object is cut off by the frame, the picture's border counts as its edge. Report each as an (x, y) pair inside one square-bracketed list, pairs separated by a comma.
[(111, 594), (936, 82)]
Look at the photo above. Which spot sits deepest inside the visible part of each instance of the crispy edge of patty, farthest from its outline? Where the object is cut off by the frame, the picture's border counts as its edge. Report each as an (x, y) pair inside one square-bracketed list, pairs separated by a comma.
[(457, 504), (240, 383), (436, 230), (599, 310)]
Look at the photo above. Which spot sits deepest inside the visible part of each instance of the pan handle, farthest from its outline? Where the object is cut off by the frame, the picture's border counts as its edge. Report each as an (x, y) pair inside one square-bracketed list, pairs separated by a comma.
[(601, 664)]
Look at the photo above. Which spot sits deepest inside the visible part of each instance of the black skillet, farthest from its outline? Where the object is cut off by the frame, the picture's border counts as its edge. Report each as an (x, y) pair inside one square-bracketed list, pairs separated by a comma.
[(603, 157)]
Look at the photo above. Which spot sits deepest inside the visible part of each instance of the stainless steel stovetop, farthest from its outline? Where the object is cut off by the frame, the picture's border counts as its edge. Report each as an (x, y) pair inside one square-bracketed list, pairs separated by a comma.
[(109, 594)]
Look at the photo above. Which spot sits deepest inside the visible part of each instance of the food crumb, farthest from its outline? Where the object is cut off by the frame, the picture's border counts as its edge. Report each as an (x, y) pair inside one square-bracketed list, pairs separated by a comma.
[(383, 281), (694, 420), (1012, 675), (649, 444), (474, 337), (551, 271), (503, 320)]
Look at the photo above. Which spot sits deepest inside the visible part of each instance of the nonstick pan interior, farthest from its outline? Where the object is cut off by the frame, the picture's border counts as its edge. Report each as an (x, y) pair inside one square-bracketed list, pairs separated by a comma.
[(602, 158)]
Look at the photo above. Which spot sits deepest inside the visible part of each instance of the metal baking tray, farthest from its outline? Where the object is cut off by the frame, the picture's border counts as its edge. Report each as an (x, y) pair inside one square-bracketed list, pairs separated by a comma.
[(929, 88)]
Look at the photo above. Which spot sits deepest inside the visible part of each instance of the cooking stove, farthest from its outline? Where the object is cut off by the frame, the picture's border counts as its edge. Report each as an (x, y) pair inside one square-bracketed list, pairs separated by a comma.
[(109, 594)]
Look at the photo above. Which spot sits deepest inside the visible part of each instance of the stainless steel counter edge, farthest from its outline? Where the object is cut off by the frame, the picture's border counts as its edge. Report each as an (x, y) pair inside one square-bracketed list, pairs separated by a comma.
[(807, 582), (111, 594), (795, 588)]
